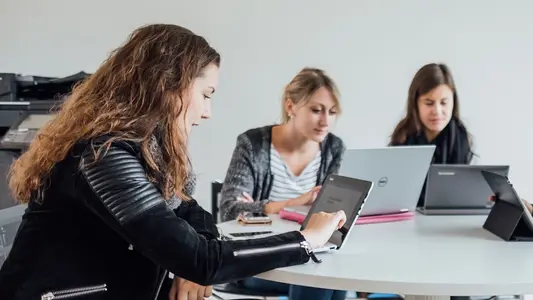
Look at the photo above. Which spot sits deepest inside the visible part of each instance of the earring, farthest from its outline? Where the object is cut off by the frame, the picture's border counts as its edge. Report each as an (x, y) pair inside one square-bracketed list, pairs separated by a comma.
[(290, 115)]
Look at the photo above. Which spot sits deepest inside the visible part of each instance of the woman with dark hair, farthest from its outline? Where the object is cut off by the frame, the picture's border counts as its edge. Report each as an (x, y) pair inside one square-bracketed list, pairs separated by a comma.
[(108, 185), (433, 118)]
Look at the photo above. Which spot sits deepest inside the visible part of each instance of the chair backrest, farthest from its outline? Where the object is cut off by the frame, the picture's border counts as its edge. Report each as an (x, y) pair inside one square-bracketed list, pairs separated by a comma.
[(216, 188)]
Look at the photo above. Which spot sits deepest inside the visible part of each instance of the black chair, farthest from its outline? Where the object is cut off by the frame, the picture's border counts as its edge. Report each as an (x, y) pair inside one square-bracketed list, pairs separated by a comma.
[(234, 288), (216, 188)]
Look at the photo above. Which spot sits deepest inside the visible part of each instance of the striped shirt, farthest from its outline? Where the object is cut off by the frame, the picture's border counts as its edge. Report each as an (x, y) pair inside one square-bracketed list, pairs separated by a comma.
[(249, 170), (285, 184)]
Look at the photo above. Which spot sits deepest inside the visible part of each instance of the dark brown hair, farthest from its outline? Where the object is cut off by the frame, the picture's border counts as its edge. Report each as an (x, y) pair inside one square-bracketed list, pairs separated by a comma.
[(426, 79), (137, 91), (304, 85)]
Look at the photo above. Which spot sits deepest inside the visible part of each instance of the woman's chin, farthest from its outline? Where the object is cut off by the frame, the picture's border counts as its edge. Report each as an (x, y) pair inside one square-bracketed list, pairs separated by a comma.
[(318, 137)]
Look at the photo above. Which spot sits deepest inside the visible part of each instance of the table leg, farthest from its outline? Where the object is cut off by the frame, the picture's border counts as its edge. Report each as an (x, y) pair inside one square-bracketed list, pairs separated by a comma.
[(410, 297)]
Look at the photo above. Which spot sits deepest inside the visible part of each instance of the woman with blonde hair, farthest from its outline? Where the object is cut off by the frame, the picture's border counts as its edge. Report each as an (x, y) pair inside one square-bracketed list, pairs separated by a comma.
[(278, 166), (108, 186)]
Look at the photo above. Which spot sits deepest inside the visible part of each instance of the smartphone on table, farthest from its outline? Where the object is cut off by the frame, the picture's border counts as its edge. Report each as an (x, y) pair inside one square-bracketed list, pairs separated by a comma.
[(253, 218)]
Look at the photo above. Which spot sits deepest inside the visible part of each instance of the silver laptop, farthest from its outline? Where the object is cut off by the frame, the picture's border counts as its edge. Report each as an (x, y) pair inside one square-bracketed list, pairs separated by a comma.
[(398, 174), (459, 189), (340, 193)]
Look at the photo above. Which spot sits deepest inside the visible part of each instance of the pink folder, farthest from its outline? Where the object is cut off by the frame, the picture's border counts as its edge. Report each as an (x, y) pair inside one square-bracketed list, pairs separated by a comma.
[(401, 216)]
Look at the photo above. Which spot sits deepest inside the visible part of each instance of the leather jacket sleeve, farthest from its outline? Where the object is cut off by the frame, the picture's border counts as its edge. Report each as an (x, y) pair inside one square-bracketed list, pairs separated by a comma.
[(131, 205), (198, 218)]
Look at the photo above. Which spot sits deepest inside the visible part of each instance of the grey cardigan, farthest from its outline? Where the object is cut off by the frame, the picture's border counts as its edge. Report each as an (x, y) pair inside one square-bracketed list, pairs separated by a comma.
[(249, 170)]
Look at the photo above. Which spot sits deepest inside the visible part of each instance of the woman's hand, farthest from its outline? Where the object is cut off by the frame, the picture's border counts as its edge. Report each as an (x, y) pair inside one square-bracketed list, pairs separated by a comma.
[(526, 203), (321, 226), (245, 198), (306, 198), (187, 290)]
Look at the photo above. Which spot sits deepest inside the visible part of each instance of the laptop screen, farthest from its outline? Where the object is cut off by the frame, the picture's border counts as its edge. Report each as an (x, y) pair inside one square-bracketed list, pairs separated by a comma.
[(470, 190), (338, 194)]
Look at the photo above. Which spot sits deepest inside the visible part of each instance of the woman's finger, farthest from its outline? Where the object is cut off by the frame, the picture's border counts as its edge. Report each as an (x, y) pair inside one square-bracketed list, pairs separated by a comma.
[(247, 196), (243, 199), (173, 290), (340, 217)]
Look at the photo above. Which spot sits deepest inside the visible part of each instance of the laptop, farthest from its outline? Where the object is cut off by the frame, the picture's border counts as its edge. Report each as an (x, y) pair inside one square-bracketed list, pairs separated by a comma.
[(340, 193), (398, 174), (459, 189)]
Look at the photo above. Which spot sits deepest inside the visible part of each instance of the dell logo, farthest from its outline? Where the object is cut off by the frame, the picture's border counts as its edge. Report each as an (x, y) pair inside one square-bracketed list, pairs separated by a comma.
[(383, 181)]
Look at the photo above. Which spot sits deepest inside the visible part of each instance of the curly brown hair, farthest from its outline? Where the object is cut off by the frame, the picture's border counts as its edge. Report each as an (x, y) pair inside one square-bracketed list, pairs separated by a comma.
[(138, 91)]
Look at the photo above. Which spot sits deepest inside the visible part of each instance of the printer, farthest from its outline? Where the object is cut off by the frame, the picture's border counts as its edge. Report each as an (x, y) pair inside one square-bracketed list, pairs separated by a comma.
[(27, 103), (17, 87)]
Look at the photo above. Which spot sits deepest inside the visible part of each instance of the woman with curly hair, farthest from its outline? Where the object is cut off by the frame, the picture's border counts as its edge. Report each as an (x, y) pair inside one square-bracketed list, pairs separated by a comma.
[(108, 185)]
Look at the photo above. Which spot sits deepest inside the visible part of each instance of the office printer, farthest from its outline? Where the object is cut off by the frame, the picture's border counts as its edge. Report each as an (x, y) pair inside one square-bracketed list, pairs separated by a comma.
[(17, 87), (29, 93), (26, 104)]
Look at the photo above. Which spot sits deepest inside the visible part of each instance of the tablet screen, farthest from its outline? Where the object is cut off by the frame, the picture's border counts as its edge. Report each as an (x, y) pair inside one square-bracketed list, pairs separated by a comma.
[(339, 195)]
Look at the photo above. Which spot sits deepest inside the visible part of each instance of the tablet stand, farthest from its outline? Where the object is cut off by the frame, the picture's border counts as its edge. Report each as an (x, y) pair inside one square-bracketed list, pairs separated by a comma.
[(507, 222)]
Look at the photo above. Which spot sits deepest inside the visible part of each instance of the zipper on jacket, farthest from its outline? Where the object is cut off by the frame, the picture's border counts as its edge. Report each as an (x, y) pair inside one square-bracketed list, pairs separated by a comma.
[(272, 249), (160, 284), (73, 293), (309, 250)]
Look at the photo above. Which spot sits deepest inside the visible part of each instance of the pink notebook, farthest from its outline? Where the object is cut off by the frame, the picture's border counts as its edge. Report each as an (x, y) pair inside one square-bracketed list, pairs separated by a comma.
[(402, 216)]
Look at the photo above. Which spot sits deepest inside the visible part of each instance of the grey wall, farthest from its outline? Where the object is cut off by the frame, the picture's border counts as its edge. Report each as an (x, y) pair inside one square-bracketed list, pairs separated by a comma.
[(371, 48)]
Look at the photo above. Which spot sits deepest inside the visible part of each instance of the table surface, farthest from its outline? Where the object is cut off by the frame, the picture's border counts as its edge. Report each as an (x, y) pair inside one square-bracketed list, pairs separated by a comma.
[(429, 255)]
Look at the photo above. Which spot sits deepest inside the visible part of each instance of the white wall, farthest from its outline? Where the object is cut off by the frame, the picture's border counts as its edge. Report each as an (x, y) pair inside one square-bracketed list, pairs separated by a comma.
[(371, 48)]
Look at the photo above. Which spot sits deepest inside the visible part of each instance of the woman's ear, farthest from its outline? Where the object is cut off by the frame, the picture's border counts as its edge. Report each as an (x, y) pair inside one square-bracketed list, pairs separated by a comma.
[(289, 107)]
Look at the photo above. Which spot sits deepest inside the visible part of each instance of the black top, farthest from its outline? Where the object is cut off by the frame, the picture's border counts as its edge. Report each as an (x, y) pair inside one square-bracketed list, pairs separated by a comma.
[(104, 223), (452, 146)]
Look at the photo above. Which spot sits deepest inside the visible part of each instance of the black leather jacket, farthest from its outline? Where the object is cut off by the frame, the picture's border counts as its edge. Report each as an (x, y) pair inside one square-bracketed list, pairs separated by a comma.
[(105, 227)]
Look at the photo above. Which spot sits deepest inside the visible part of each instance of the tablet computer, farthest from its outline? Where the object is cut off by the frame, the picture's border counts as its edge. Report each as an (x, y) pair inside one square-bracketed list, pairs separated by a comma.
[(340, 193), (504, 191)]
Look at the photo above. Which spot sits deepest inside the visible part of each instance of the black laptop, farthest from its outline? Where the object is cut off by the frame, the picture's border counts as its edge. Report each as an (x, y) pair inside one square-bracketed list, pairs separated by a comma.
[(459, 189)]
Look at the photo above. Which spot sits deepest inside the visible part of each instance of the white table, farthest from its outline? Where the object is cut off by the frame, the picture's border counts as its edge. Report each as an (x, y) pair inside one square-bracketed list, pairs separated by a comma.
[(430, 256)]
